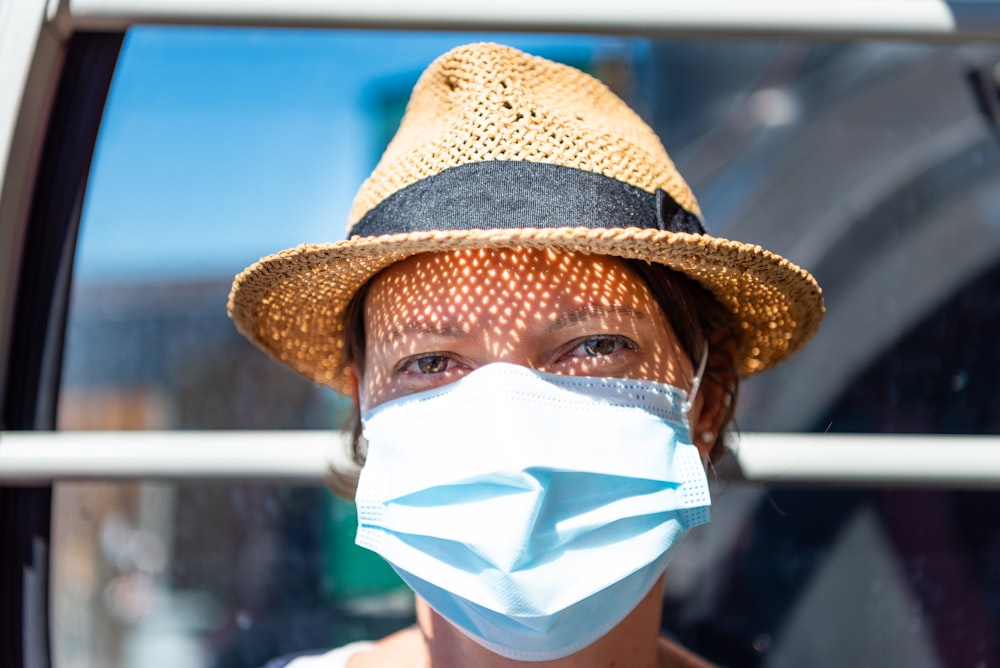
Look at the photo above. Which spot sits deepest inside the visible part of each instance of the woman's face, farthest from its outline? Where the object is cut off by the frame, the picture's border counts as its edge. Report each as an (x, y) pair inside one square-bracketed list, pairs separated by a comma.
[(436, 317)]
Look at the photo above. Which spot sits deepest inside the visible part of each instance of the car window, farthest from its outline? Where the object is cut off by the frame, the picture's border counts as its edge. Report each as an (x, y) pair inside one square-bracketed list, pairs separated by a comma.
[(873, 164), (218, 146)]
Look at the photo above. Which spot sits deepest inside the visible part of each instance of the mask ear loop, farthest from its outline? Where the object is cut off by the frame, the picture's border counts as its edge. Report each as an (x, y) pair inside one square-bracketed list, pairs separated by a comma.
[(696, 382)]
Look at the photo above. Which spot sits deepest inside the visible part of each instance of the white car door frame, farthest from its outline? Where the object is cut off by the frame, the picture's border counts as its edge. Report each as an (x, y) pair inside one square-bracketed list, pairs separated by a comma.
[(56, 62)]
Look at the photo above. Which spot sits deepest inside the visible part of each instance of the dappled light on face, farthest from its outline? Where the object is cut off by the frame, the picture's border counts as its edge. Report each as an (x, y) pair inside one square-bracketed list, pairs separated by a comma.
[(436, 317)]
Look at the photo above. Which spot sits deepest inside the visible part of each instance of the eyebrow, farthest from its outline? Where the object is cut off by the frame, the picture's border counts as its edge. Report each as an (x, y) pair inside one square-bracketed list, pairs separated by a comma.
[(418, 327), (590, 311)]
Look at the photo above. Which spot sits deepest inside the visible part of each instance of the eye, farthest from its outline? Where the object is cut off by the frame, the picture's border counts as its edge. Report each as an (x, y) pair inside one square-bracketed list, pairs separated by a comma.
[(427, 365), (600, 346)]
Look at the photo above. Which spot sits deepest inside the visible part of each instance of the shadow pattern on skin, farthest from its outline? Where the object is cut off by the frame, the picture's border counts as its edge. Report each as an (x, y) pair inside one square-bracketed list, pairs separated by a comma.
[(434, 318)]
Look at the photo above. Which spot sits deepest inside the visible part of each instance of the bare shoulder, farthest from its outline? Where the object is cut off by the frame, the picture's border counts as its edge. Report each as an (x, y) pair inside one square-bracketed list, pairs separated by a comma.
[(399, 649), (677, 656)]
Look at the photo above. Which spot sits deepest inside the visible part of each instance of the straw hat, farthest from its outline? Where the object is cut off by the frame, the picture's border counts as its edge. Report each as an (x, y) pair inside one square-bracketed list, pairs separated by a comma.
[(499, 148)]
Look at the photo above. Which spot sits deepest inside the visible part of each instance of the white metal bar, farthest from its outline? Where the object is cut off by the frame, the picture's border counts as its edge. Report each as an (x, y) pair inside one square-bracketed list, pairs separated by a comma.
[(863, 459), (289, 456), (844, 18), (306, 456)]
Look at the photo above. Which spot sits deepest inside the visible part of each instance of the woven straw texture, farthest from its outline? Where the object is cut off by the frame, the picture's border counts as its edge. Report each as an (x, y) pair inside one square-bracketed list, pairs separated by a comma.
[(487, 102)]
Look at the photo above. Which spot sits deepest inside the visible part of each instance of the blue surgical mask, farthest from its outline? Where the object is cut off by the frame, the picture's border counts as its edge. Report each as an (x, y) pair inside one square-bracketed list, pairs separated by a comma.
[(533, 511)]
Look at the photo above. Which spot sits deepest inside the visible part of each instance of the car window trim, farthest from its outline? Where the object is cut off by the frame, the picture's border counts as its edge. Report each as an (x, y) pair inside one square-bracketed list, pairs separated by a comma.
[(40, 285), (838, 19)]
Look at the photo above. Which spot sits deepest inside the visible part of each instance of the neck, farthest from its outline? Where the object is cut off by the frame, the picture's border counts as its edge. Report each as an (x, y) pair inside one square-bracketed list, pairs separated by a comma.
[(634, 643)]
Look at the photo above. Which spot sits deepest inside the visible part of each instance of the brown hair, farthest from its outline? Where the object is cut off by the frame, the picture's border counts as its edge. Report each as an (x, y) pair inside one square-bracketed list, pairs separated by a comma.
[(695, 317)]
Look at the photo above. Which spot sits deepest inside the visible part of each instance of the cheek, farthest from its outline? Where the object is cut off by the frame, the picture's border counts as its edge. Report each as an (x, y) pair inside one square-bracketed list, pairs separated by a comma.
[(374, 390), (371, 383), (669, 363), (364, 396), (372, 386)]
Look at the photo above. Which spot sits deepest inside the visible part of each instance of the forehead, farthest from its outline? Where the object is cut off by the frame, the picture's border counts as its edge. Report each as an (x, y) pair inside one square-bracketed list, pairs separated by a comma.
[(476, 280)]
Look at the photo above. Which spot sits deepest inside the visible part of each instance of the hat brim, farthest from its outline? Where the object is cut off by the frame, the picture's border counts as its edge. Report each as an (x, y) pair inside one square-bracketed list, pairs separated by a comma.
[(292, 303)]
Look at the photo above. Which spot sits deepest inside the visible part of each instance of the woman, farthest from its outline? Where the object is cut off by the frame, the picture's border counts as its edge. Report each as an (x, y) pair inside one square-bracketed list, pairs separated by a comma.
[(544, 346)]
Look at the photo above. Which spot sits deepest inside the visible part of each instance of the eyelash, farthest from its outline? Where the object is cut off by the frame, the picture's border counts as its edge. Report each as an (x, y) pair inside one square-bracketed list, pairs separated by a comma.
[(404, 366), (621, 342)]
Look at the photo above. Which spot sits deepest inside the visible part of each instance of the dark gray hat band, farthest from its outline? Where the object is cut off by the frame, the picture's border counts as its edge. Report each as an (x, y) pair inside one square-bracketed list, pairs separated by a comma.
[(513, 194)]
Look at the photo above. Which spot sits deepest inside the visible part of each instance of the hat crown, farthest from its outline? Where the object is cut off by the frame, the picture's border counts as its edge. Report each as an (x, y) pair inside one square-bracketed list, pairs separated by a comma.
[(483, 102), (525, 153)]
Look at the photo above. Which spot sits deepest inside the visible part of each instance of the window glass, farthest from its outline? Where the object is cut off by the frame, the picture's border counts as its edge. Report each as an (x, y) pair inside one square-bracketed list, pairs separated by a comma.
[(872, 164), (218, 146)]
